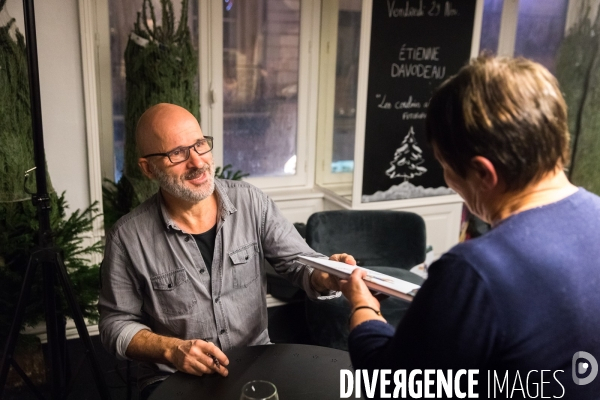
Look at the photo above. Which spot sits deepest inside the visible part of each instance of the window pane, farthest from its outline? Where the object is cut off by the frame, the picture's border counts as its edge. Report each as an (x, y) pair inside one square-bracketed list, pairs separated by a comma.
[(122, 16), (490, 27), (346, 82), (261, 43), (540, 30)]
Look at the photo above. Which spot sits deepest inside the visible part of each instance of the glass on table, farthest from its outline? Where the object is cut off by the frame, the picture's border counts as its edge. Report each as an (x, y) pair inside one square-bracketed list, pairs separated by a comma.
[(259, 390)]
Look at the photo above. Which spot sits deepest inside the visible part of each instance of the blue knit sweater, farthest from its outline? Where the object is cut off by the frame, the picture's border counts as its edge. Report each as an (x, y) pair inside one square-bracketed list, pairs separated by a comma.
[(523, 297)]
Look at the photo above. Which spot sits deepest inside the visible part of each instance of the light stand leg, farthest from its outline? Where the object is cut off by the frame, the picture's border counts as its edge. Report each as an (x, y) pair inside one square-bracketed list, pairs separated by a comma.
[(81, 328), (11, 341), (54, 347), (52, 263)]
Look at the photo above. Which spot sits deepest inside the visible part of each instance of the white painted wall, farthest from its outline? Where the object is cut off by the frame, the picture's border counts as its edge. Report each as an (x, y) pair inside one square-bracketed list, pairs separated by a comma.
[(61, 87)]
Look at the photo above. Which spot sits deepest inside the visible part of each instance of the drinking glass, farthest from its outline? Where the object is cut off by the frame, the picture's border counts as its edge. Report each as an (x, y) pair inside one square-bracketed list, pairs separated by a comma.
[(259, 390)]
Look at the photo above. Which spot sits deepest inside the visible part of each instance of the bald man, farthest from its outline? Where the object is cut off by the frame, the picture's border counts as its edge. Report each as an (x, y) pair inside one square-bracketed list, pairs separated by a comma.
[(183, 275)]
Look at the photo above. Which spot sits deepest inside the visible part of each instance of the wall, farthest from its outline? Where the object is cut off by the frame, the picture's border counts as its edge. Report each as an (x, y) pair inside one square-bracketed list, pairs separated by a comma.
[(61, 87)]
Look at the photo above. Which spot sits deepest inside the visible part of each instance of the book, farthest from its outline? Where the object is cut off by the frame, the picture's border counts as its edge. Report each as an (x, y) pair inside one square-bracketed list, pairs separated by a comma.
[(374, 280)]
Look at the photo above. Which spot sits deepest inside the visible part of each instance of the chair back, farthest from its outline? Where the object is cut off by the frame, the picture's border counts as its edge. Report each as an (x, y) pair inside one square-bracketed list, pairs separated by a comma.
[(373, 237)]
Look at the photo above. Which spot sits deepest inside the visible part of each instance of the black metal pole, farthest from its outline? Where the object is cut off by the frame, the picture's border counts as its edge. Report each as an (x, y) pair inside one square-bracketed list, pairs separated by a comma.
[(42, 201), (36, 121)]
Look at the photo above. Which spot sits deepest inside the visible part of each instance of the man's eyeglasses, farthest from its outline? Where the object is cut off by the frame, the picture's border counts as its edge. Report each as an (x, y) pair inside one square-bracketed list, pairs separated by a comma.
[(181, 154)]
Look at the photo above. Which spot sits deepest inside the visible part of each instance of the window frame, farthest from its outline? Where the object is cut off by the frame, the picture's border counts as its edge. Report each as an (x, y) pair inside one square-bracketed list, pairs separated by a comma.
[(340, 183), (211, 90), (95, 53), (210, 67)]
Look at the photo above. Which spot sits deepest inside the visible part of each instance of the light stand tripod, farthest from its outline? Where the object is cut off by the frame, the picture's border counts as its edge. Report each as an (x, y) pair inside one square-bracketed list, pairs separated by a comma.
[(48, 257)]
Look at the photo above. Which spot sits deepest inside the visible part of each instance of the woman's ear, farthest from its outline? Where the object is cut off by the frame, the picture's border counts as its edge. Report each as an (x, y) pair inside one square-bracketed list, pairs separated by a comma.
[(484, 172), (145, 167)]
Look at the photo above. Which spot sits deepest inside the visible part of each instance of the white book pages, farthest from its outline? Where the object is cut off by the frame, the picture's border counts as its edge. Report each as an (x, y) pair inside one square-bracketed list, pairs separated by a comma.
[(374, 280)]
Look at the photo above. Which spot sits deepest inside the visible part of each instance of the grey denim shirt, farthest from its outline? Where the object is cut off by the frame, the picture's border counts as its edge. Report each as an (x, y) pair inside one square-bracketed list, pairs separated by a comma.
[(154, 277)]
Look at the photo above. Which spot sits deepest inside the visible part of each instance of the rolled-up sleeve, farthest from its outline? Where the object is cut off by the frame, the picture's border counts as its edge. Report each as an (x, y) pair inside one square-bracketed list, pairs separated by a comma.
[(282, 245), (120, 302)]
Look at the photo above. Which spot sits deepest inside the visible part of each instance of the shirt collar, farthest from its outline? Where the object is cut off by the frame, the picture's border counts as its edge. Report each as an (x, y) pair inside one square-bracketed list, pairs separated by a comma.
[(226, 207)]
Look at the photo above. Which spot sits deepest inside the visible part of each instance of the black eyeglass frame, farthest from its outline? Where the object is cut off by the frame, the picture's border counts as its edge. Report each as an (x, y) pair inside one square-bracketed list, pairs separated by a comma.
[(187, 149)]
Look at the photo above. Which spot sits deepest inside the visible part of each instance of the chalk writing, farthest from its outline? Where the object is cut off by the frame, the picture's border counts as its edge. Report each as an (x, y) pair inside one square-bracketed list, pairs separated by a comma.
[(406, 10), (397, 105), (386, 105), (449, 11), (408, 104), (418, 53), (407, 115), (414, 46), (418, 70), (435, 9)]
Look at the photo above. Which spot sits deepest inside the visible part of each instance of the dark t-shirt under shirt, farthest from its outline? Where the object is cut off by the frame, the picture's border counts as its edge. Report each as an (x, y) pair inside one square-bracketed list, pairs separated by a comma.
[(206, 245)]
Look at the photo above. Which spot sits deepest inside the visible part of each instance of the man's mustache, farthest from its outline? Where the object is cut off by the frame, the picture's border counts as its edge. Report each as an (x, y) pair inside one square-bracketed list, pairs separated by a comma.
[(195, 173)]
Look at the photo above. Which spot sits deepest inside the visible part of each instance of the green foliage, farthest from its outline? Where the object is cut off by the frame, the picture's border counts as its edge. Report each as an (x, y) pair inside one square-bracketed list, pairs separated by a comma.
[(161, 66), (18, 231), (578, 71), (16, 152), (228, 173)]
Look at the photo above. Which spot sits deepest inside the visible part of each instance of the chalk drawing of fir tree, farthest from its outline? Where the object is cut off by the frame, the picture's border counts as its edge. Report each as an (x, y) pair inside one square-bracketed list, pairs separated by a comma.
[(407, 159)]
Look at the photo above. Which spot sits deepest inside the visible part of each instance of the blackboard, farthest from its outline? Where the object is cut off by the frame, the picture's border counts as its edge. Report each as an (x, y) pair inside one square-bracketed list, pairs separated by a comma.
[(415, 46)]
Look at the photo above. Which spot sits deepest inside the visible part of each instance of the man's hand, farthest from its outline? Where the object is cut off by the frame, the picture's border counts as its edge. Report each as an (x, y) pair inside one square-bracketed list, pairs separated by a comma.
[(198, 357), (322, 281)]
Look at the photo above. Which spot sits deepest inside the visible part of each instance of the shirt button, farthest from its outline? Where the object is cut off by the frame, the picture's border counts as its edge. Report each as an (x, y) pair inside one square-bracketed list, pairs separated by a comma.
[(170, 285), (187, 239), (202, 270), (246, 257), (223, 331), (217, 300)]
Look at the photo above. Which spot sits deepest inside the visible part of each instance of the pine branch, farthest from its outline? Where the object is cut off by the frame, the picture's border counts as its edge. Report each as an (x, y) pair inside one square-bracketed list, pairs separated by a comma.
[(182, 27), (167, 20), (151, 32)]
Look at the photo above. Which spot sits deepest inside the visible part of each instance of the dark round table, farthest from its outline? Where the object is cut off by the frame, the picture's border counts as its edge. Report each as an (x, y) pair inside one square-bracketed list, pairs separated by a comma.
[(300, 372)]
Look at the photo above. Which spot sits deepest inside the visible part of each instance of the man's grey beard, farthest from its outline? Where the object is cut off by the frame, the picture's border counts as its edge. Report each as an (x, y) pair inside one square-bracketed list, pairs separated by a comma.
[(176, 185)]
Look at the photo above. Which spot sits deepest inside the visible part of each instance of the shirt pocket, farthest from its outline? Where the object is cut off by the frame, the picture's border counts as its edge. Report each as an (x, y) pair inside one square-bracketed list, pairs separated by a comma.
[(174, 292), (246, 265)]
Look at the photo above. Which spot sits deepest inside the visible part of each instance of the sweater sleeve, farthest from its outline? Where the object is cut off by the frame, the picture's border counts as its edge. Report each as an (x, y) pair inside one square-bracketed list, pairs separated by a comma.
[(452, 323)]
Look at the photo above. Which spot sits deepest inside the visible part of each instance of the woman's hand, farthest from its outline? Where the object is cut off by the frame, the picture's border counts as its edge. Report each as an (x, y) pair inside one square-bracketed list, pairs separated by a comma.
[(357, 292), (359, 295)]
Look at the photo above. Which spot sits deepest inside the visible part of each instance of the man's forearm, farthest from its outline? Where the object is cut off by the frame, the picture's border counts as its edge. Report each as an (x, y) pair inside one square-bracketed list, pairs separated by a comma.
[(196, 357), (150, 347)]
